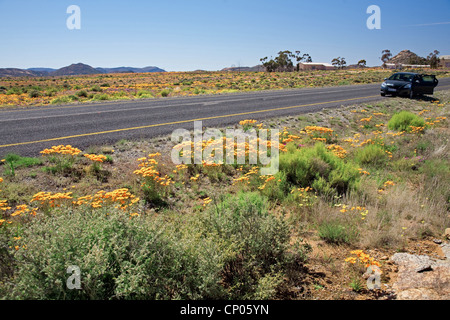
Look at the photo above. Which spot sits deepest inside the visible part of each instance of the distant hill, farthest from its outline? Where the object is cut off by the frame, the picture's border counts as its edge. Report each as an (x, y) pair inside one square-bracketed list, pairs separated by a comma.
[(258, 68), (75, 69), (407, 57), (14, 72), (72, 70), (42, 69), (130, 69)]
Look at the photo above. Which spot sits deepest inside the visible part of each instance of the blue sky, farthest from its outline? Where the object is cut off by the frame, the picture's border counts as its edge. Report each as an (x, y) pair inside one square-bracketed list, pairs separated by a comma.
[(182, 35)]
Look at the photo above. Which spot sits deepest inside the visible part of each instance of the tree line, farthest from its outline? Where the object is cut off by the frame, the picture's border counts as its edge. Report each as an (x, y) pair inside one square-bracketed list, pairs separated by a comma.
[(432, 59), (288, 61)]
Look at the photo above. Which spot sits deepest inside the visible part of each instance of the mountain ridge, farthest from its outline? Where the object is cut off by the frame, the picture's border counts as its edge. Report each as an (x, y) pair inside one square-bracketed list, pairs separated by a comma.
[(407, 57), (73, 69)]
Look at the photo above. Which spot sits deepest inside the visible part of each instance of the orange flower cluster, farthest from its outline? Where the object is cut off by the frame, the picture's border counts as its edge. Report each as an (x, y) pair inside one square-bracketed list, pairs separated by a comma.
[(246, 177), (23, 209), (4, 205), (396, 134), (389, 183), (247, 122), (362, 211), (206, 201), (61, 149), (319, 133), (437, 120), (366, 119), (95, 158), (417, 130), (303, 196), (122, 198), (312, 129), (363, 258), (338, 150), (181, 167), (361, 171), (53, 200), (286, 137), (271, 178), (148, 170), (386, 185)]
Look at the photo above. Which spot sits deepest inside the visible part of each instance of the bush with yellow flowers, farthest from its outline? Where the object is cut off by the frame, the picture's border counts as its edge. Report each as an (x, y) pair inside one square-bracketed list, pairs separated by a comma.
[(62, 156), (156, 187)]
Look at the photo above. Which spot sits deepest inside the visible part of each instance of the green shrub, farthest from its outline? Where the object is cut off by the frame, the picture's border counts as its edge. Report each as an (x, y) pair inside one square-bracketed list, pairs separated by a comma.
[(14, 161), (51, 92), (73, 98), (100, 97), (82, 94), (234, 250), (256, 241), (34, 94), (435, 168), (143, 94), (318, 168), (334, 232), (119, 258), (60, 100), (14, 90), (371, 154), (63, 163), (403, 121), (165, 92)]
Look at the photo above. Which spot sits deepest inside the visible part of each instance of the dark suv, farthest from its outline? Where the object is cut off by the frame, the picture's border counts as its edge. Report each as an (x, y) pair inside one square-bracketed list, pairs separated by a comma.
[(409, 84)]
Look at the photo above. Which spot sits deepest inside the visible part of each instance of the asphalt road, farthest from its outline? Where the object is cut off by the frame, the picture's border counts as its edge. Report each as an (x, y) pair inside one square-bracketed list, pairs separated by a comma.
[(28, 131)]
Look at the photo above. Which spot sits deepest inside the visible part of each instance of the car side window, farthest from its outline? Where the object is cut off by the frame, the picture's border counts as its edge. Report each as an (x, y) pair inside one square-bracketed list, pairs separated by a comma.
[(429, 79)]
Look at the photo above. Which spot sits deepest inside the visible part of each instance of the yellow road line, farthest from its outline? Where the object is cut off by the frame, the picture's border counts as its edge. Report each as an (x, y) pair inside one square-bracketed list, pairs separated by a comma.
[(179, 122)]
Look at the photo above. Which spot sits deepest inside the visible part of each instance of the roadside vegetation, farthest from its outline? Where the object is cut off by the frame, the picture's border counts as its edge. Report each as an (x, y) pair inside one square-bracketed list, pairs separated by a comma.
[(355, 184), (93, 88)]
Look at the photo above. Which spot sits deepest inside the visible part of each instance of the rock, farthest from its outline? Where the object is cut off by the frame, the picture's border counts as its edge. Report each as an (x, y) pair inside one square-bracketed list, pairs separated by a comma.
[(437, 241), (446, 251), (418, 294), (409, 261), (422, 278), (447, 233)]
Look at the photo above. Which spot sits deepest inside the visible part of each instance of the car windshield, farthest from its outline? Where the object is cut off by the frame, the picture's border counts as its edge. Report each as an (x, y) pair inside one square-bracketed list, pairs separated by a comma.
[(402, 77)]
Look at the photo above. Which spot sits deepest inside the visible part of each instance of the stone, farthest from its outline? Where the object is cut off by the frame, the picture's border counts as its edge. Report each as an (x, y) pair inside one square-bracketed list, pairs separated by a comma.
[(447, 233), (418, 294), (409, 261), (422, 278)]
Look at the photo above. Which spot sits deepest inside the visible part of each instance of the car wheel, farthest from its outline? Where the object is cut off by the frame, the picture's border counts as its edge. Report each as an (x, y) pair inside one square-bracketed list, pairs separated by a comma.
[(383, 94)]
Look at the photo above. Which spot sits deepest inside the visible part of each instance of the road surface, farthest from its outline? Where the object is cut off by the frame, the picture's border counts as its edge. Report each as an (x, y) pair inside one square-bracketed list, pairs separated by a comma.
[(28, 131)]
